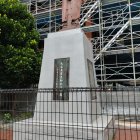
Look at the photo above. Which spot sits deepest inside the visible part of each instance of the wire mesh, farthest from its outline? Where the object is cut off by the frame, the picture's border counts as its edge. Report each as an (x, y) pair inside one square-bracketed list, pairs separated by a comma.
[(34, 114)]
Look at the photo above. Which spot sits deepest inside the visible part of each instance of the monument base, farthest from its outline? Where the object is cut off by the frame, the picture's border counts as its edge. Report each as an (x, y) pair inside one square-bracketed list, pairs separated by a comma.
[(74, 115), (101, 129)]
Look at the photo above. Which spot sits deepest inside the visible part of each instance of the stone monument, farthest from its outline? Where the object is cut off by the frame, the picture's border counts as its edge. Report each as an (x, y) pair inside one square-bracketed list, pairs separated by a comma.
[(67, 62)]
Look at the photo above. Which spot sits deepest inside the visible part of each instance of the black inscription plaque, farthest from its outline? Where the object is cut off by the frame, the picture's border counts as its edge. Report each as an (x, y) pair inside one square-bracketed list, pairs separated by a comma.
[(61, 78)]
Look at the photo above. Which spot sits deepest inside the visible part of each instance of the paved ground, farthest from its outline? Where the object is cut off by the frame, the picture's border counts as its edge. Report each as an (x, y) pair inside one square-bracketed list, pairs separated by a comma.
[(132, 134), (6, 134)]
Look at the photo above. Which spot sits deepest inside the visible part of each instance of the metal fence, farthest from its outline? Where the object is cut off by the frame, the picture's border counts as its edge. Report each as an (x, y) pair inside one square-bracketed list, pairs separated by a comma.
[(70, 114)]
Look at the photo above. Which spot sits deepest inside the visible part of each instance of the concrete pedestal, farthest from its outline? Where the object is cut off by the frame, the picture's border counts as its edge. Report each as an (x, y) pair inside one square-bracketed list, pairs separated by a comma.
[(79, 119), (32, 130), (72, 44)]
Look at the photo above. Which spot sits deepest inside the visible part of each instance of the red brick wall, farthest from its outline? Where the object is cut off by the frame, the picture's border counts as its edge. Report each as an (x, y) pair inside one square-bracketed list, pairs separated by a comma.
[(6, 134)]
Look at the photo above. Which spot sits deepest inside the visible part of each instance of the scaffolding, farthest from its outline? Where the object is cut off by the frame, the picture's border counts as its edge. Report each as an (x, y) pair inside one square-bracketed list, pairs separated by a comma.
[(115, 29)]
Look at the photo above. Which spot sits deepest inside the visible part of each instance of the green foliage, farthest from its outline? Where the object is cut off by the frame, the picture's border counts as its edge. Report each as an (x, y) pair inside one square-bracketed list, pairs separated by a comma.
[(23, 116), (20, 59), (7, 117)]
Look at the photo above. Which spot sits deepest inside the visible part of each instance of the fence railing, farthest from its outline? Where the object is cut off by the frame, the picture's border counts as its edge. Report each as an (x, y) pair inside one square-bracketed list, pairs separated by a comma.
[(70, 114)]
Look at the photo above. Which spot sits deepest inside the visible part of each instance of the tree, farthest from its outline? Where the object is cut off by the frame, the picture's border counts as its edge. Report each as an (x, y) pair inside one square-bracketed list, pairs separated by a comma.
[(20, 58)]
